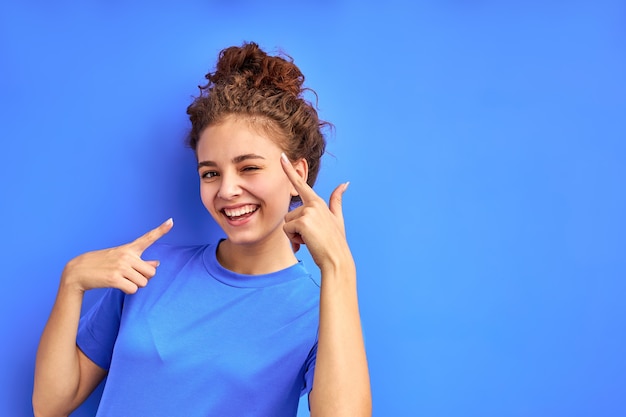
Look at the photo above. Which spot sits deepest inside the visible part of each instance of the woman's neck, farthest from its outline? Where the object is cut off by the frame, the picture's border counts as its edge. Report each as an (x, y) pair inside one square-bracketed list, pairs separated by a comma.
[(262, 258)]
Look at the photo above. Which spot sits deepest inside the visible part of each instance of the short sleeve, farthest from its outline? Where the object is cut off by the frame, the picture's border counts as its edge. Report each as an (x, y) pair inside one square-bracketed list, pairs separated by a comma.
[(309, 370), (98, 328)]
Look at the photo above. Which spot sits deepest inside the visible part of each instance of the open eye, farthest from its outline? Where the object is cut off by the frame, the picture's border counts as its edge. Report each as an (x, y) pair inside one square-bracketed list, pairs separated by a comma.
[(207, 175)]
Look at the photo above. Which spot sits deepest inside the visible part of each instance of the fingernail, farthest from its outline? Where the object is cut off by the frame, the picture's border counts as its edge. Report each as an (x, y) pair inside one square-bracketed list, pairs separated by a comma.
[(284, 157), (158, 263), (169, 221), (345, 186)]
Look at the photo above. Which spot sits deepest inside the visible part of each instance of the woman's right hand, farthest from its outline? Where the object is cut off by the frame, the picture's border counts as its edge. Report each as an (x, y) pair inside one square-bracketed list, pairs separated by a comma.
[(120, 267)]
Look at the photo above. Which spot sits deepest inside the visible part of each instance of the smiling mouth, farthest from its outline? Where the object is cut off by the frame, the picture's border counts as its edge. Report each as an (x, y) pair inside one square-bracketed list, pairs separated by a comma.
[(240, 212)]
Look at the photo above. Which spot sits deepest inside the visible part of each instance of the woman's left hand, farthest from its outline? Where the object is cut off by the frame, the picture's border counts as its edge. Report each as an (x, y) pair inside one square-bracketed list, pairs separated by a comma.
[(318, 226)]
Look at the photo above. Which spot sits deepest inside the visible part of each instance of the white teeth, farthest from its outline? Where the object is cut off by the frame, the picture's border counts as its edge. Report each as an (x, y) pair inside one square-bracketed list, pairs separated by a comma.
[(240, 211)]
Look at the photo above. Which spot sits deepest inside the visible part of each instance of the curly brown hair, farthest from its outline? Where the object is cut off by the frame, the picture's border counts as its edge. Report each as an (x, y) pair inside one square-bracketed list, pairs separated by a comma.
[(267, 92)]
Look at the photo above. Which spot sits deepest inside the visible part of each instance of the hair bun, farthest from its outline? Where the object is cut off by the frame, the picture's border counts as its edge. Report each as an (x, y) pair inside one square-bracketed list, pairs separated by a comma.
[(249, 66)]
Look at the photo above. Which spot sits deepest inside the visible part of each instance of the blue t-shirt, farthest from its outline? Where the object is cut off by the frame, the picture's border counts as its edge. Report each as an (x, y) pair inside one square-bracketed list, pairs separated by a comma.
[(200, 340)]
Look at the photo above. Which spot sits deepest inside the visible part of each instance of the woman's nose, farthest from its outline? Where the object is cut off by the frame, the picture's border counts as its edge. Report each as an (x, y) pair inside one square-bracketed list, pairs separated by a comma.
[(229, 187)]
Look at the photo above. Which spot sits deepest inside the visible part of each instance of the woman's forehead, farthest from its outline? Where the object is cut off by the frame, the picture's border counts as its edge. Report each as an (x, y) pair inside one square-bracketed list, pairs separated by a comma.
[(232, 138)]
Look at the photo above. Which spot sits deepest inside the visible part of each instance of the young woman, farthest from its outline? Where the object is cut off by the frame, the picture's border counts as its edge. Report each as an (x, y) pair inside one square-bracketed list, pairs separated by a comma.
[(235, 327)]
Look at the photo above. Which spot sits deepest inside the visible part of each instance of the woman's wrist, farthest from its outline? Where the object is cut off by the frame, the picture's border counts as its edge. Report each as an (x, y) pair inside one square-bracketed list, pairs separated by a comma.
[(339, 266), (68, 282)]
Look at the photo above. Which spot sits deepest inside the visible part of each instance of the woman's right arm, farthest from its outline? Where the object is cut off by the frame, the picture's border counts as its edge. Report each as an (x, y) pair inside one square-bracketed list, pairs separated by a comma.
[(64, 376)]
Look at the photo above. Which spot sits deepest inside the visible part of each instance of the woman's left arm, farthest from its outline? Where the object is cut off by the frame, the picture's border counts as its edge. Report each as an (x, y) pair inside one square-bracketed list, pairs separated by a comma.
[(341, 384)]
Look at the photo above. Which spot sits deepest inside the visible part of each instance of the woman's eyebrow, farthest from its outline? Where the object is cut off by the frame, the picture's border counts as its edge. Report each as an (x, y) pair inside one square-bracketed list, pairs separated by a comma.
[(206, 164), (235, 160), (242, 158)]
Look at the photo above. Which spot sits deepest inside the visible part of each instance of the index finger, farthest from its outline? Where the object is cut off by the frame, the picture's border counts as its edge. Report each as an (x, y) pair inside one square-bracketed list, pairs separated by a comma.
[(143, 242), (305, 192)]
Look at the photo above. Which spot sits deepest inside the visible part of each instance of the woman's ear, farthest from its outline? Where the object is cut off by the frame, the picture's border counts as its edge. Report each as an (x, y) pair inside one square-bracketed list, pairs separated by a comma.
[(302, 168)]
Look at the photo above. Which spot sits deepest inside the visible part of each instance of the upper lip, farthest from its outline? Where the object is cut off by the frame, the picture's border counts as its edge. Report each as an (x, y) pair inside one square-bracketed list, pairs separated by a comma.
[(238, 207)]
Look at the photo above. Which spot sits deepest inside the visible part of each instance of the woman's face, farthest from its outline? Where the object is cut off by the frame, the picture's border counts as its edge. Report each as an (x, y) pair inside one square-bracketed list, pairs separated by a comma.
[(242, 182)]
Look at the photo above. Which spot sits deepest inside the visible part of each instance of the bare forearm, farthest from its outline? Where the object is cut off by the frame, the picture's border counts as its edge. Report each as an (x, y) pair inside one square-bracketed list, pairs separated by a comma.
[(341, 384), (57, 370)]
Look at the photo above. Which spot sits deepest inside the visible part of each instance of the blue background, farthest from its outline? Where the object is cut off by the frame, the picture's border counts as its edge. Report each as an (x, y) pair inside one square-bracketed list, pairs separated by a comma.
[(484, 142)]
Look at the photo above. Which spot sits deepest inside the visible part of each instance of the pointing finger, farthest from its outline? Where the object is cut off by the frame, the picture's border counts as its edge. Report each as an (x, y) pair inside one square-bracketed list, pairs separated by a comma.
[(335, 201), (143, 242), (304, 190)]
